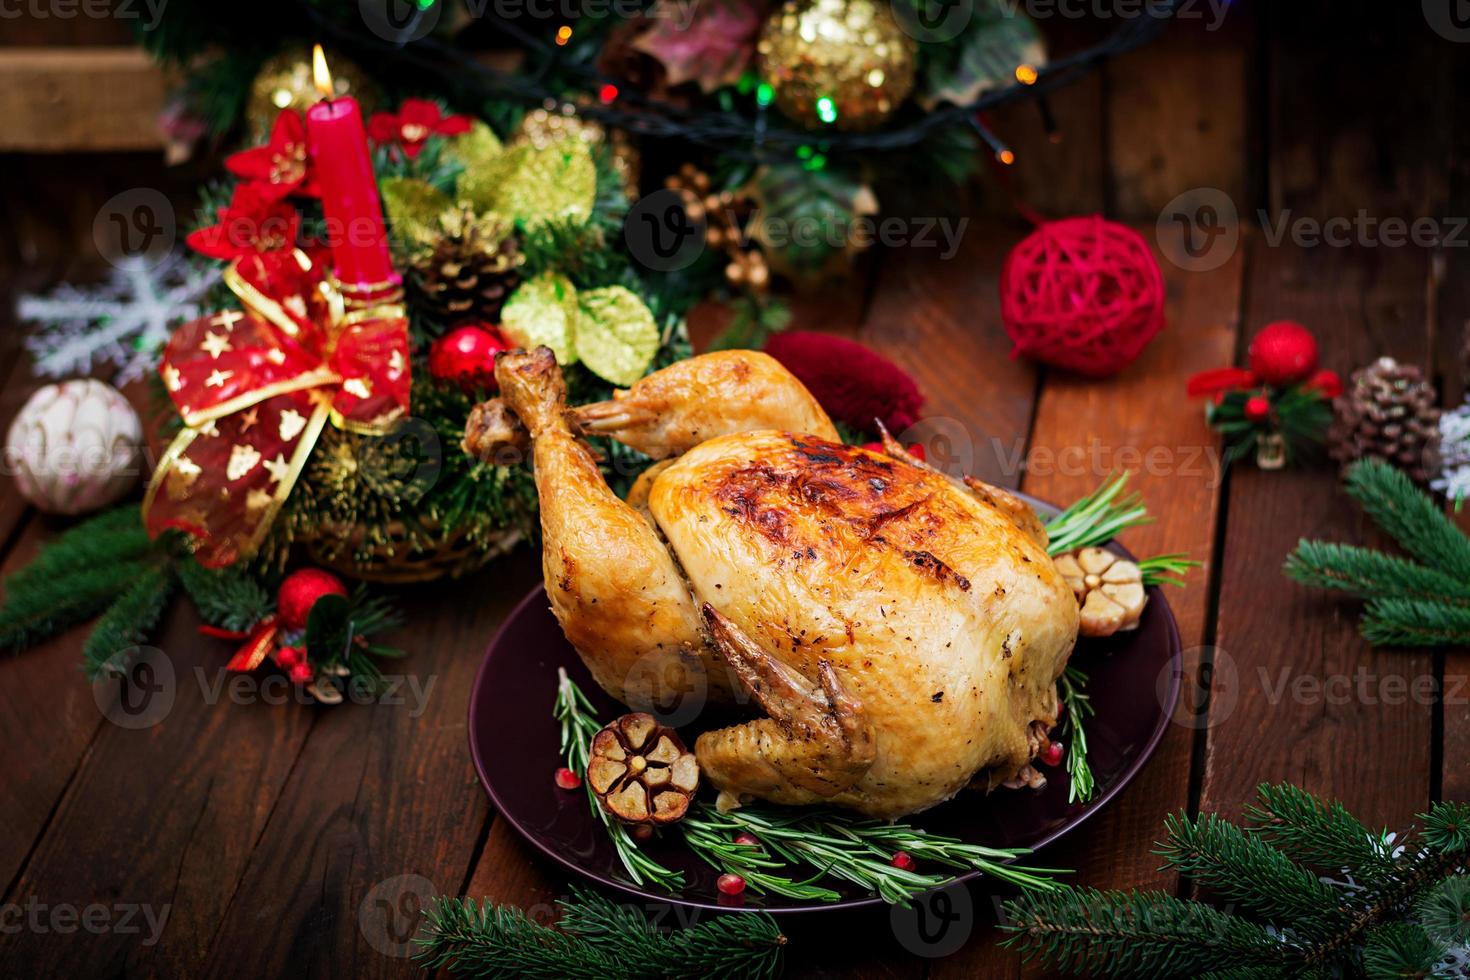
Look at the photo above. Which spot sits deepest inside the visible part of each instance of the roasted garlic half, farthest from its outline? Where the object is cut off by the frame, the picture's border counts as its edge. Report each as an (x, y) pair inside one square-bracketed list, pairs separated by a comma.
[(641, 772), (1108, 588)]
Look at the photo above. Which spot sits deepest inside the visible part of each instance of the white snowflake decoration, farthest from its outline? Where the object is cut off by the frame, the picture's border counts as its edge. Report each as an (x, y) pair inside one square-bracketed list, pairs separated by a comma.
[(121, 322), (1454, 447)]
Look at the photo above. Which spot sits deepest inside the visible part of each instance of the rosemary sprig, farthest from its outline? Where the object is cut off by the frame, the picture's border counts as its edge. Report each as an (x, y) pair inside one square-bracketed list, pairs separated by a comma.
[(1097, 518), (1078, 707), (826, 842), (578, 725), (1166, 569), (845, 847)]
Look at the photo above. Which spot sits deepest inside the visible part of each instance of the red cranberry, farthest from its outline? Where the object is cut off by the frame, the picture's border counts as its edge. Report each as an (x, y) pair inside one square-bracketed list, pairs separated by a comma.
[(1052, 754), (567, 779), (748, 839), (902, 860), (730, 884)]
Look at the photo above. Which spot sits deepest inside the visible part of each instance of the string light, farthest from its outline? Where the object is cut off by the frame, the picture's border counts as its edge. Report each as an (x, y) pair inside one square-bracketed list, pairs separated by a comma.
[(1026, 74), (1048, 121), (826, 110), (764, 94), (563, 35), (1002, 152), (607, 93)]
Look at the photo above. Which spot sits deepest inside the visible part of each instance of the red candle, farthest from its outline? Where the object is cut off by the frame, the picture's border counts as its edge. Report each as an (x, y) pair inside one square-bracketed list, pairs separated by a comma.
[(344, 168)]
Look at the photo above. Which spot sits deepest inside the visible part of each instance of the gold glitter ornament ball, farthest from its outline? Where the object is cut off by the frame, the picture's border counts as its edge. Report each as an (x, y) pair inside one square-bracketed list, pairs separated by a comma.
[(844, 63), (285, 82), (544, 126)]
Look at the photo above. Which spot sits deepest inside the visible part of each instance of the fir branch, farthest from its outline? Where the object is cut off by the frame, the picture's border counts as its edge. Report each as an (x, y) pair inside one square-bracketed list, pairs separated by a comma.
[(1097, 518), (230, 598), (42, 608), (1243, 868), (1136, 934), (753, 319), (1415, 623), (1401, 949), (111, 537), (598, 940), (1078, 706), (1445, 911), (127, 622), (742, 947), (1410, 517), (1371, 574), (1317, 832)]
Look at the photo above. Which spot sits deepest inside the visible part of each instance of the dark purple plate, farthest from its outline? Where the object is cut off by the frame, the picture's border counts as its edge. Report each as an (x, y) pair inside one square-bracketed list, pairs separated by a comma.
[(1133, 682)]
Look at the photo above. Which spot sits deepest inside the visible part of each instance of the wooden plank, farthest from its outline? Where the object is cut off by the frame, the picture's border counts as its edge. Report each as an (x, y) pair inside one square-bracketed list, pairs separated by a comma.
[(1177, 119), (1298, 693), (162, 817), (80, 99), (1139, 421), (382, 804), (940, 320)]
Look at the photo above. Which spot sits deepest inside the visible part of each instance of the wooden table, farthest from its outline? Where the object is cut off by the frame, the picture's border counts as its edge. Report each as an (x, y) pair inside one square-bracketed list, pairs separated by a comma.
[(289, 840)]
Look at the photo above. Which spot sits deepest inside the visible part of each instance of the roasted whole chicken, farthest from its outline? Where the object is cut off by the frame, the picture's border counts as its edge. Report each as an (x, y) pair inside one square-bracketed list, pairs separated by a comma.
[(901, 631)]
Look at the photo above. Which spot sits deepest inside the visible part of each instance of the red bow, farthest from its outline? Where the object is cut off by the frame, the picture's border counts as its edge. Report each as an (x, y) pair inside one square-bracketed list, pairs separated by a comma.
[(255, 386), (1220, 380)]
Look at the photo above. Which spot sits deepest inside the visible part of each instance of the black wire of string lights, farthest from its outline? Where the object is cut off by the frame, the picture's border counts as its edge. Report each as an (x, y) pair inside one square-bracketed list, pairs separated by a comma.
[(730, 132)]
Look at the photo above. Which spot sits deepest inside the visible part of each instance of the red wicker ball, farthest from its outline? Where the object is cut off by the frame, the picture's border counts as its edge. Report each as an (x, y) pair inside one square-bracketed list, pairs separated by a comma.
[(1084, 294)]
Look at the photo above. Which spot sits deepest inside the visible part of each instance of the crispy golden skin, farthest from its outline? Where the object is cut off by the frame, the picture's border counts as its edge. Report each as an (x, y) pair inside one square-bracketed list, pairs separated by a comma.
[(901, 630)]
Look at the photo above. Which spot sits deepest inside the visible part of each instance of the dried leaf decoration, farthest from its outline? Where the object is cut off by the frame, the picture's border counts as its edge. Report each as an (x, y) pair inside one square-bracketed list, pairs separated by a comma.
[(711, 42), (616, 335), (414, 207), (987, 59), (543, 311)]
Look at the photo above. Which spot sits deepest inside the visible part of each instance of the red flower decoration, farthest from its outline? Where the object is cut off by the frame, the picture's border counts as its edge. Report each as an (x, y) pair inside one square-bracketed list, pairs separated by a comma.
[(414, 122), (853, 383), (252, 222), (282, 166)]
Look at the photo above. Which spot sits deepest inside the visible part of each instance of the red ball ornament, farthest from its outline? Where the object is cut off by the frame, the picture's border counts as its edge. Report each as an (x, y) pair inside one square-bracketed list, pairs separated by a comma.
[(1257, 407), (466, 356), (1283, 353), (1084, 294), (301, 672), (299, 592)]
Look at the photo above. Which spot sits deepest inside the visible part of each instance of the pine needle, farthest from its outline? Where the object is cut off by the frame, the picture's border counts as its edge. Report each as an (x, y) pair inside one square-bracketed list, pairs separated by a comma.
[(1410, 517), (128, 621)]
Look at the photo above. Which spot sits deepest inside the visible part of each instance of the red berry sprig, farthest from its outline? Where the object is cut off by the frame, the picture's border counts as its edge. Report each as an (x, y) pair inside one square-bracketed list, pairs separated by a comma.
[(1052, 754), (903, 861), (730, 884)]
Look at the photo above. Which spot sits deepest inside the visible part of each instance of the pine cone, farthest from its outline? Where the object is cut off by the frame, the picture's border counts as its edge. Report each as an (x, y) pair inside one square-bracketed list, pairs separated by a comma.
[(725, 215), (471, 269), (1388, 412)]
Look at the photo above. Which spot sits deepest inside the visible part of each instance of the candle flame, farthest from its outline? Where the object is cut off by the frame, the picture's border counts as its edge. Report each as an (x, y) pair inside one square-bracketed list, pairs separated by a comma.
[(319, 73)]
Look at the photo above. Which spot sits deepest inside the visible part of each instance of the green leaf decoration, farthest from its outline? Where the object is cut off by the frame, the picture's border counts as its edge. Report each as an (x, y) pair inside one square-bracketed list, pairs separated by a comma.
[(484, 181), (616, 336), (987, 59), (476, 150), (413, 207), (543, 311), (557, 183), (327, 628)]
